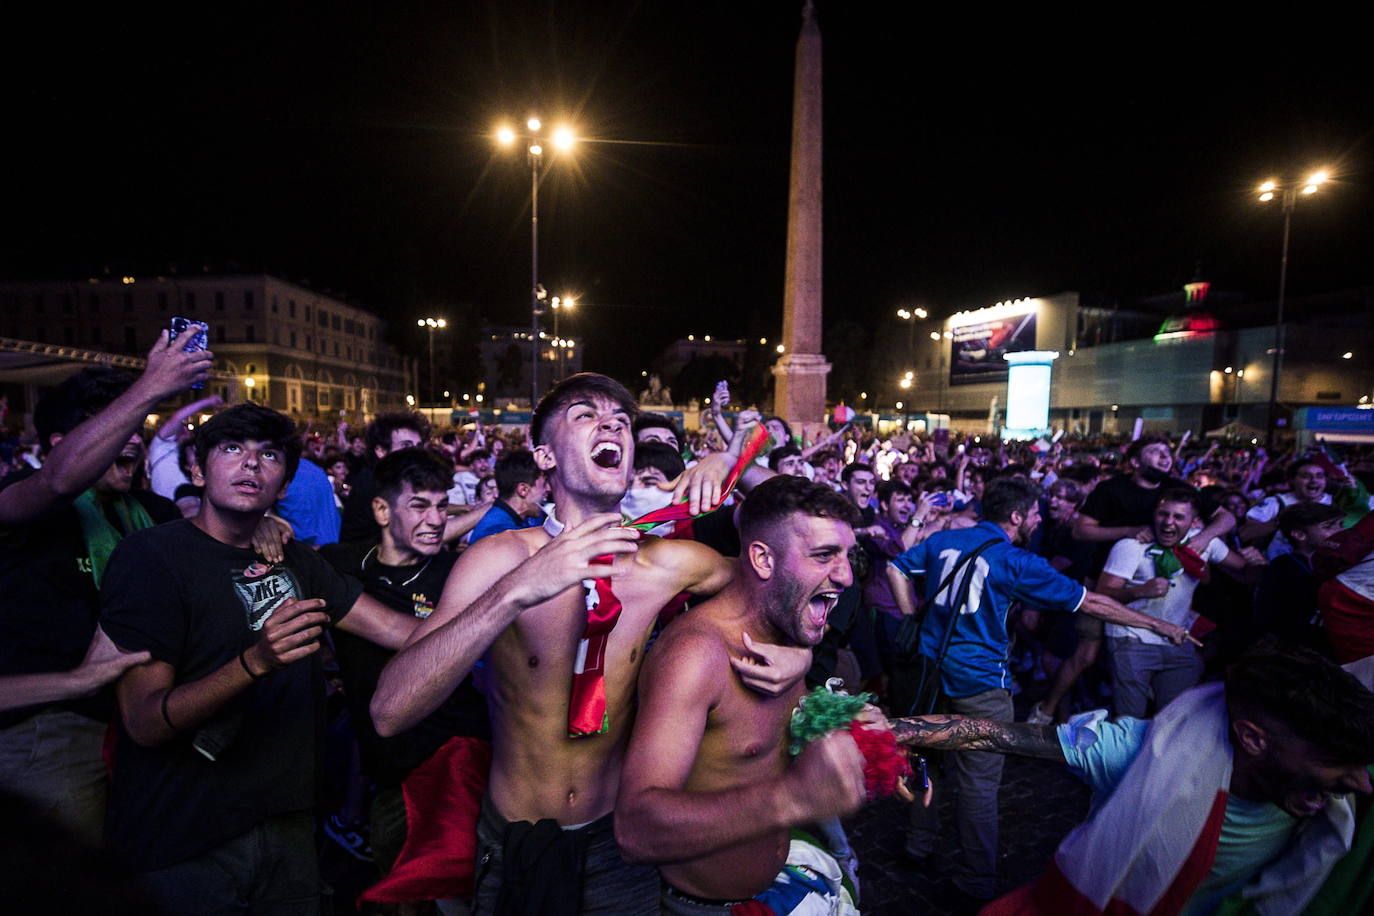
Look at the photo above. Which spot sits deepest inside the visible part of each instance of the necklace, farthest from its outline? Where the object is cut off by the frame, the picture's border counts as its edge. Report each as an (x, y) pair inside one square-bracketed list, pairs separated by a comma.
[(367, 556)]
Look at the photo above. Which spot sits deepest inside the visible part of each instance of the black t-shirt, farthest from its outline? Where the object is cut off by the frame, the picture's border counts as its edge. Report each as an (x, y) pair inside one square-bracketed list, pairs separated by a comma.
[(410, 590), (48, 600), (1119, 501), (195, 603), (358, 523)]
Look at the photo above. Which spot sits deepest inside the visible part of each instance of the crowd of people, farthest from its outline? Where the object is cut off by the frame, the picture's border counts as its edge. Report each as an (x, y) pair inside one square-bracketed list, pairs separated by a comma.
[(558, 669)]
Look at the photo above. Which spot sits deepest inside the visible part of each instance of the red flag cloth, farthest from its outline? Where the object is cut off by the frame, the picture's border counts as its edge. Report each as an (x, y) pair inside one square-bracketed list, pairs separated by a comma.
[(884, 764), (443, 796), (1193, 564), (587, 705)]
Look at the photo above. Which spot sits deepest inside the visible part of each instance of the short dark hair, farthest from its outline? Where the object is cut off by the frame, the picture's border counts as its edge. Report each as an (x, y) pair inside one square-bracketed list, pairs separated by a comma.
[(1302, 463), (250, 421), (573, 388), (821, 457), (1006, 495), (659, 455), (787, 430), (853, 468), (514, 468), (1135, 448), (776, 456), (1180, 495), (1302, 515), (772, 501), (1080, 473), (384, 424), (1068, 490), (657, 421), (887, 487), (419, 467), (479, 454), (77, 399), (1318, 700)]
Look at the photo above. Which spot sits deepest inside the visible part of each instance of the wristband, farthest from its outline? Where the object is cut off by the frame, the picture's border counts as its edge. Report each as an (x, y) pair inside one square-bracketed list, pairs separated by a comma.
[(165, 717), (244, 662)]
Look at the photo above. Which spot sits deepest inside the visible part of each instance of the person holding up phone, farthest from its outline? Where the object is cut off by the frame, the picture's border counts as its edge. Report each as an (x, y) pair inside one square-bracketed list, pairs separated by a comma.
[(58, 527)]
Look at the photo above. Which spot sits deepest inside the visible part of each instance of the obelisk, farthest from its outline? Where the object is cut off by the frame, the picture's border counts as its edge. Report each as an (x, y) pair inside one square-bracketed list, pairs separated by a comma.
[(799, 376)]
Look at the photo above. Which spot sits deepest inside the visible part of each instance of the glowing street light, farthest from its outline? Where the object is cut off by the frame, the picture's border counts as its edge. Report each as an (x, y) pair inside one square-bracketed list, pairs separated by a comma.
[(431, 325), (563, 140), (1289, 197)]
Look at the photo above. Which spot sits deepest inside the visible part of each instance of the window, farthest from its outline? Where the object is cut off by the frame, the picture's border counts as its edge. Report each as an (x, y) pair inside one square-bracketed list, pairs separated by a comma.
[(324, 347), (276, 336), (293, 340), (274, 305), (248, 300), (291, 307), (350, 327), (219, 300), (307, 313), (309, 342), (250, 334), (336, 322), (128, 302), (324, 318), (336, 348)]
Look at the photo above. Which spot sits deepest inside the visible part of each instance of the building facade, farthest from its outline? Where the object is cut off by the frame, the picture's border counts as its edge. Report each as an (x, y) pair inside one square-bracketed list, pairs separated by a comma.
[(289, 347), (1188, 370)]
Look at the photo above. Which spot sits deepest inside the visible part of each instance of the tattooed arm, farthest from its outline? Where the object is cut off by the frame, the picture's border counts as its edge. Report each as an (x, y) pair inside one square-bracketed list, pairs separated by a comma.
[(956, 733)]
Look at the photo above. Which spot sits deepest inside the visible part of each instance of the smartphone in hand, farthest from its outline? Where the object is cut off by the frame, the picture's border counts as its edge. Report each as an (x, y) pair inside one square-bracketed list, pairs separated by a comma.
[(195, 336)]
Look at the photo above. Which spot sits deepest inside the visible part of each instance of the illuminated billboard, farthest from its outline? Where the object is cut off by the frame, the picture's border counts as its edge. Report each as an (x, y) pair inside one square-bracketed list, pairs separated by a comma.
[(981, 338)]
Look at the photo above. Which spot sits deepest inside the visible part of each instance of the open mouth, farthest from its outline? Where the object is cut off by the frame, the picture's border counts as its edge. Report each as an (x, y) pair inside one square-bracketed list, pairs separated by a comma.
[(428, 537), (247, 486), (1306, 804), (819, 607), (606, 455)]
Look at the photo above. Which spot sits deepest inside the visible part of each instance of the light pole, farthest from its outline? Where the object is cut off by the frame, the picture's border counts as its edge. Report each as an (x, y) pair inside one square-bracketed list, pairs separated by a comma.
[(1288, 195), (911, 316), (560, 304), (431, 325), (563, 140)]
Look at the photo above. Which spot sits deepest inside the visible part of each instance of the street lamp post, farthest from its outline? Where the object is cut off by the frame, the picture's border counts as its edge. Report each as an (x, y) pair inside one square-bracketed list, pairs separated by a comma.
[(431, 325), (1288, 196), (563, 140), (560, 304)]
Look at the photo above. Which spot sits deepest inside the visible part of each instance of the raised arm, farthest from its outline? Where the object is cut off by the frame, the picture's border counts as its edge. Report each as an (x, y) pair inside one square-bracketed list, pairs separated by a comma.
[(658, 820), (1088, 529), (490, 586), (1113, 611), (957, 733), (88, 450)]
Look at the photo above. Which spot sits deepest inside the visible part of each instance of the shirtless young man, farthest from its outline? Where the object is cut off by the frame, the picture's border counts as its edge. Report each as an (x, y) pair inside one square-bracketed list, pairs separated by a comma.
[(708, 791), (518, 598)]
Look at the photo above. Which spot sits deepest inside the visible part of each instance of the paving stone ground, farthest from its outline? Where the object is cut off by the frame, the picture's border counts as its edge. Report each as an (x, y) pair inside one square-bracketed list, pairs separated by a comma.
[(1038, 805)]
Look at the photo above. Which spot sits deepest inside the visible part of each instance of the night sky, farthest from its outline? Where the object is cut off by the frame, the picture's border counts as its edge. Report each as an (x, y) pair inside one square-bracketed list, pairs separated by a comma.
[(968, 158)]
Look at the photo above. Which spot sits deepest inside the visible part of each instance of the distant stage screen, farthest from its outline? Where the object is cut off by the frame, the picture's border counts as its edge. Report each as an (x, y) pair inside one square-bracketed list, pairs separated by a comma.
[(976, 350)]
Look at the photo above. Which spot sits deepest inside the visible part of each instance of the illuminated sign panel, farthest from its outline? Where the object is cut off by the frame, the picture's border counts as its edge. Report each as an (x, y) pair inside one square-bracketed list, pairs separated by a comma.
[(981, 338), (1028, 393)]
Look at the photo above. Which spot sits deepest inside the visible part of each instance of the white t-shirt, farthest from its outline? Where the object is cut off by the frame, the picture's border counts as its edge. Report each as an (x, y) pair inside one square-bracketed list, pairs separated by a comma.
[(1130, 561)]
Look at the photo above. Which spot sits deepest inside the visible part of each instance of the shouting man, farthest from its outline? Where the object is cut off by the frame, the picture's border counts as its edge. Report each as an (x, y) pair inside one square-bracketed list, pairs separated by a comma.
[(562, 613), (709, 792)]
